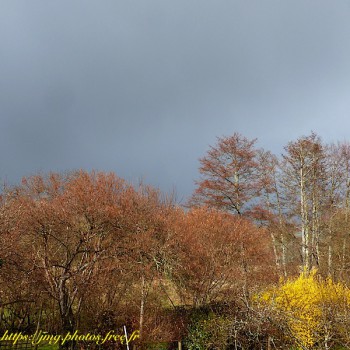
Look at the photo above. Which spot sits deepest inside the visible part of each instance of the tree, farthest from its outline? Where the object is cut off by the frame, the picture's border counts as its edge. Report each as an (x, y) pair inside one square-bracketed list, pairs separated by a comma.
[(217, 255), (149, 232), (338, 208), (76, 234), (304, 182), (270, 210), (67, 225), (230, 175)]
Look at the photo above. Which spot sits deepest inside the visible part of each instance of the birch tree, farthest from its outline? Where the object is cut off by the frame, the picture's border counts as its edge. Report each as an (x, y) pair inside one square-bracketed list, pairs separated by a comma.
[(304, 182)]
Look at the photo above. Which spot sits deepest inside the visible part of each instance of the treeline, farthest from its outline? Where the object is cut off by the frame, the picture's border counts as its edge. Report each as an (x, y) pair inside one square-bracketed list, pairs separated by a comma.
[(91, 251), (302, 198)]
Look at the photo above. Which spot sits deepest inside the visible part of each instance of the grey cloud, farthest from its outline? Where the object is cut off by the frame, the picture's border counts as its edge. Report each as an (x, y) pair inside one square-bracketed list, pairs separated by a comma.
[(142, 88)]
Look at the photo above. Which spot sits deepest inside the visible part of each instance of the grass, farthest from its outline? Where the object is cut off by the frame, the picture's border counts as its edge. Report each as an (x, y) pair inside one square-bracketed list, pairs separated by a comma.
[(47, 347)]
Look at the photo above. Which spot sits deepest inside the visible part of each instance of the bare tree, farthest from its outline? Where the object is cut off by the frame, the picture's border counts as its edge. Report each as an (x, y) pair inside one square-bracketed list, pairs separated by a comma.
[(304, 182)]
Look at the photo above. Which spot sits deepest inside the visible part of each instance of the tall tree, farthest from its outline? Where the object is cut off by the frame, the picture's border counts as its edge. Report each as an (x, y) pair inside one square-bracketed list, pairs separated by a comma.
[(336, 220), (230, 175), (304, 181), (270, 210)]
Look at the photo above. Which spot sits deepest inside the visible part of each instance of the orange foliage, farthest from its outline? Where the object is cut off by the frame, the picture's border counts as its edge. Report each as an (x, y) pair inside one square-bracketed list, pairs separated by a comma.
[(218, 253)]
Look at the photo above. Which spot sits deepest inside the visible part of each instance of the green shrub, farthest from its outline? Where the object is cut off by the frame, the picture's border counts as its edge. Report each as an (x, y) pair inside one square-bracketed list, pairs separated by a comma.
[(207, 331)]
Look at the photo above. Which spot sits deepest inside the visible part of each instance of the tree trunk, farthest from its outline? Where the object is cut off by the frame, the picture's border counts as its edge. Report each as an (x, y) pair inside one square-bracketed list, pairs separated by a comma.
[(305, 234), (67, 315), (142, 306)]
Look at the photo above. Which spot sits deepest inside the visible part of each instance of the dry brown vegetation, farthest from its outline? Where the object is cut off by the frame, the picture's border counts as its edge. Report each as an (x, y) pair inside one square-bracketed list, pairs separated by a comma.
[(90, 251)]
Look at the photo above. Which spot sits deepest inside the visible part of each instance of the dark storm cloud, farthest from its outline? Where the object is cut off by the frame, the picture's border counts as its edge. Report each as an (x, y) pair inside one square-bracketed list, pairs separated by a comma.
[(143, 87)]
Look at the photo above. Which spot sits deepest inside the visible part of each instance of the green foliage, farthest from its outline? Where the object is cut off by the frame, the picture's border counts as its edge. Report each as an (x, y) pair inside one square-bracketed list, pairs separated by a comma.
[(198, 336), (158, 346), (48, 347), (208, 331)]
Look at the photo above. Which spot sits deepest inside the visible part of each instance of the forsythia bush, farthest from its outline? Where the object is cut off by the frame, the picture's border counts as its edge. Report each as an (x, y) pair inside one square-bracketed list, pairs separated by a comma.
[(314, 311)]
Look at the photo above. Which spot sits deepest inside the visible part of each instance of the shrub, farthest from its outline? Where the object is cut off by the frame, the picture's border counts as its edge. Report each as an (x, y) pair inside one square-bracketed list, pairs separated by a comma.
[(313, 311)]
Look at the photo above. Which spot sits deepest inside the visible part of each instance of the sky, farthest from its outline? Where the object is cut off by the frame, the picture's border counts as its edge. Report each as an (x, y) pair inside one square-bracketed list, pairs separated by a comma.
[(144, 87)]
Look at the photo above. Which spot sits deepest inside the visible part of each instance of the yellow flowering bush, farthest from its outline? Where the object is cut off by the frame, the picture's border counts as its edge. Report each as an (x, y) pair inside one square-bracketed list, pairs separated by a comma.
[(314, 310)]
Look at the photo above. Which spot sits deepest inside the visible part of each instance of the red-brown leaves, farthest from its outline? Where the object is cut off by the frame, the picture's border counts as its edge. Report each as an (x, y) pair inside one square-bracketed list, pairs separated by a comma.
[(93, 239), (218, 254), (230, 175)]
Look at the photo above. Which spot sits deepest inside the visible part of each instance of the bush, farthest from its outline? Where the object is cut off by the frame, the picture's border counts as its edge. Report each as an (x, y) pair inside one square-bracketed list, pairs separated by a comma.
[(208, 330), (313, 312)]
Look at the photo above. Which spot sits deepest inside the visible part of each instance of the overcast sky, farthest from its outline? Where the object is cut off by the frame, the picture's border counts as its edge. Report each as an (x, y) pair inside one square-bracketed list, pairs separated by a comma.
[(143, 87)]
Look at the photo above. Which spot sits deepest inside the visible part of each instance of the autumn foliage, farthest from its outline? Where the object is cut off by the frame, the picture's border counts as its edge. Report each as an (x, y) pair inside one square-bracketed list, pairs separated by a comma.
[(218, 256), (230, 175), (91, 251)]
